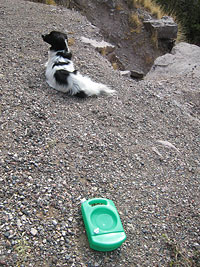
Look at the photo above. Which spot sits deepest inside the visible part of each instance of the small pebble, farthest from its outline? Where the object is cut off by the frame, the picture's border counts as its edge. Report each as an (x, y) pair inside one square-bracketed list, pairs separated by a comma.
[(33, 231)]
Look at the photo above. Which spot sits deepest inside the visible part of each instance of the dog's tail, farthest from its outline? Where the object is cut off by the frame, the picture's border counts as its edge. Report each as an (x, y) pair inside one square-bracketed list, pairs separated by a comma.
[(90, 88)]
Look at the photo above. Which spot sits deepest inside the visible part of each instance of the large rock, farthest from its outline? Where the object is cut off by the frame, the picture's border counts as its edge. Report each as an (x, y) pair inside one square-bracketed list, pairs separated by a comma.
[(102, 47), (184, 59), (135, 74), (164, 28)]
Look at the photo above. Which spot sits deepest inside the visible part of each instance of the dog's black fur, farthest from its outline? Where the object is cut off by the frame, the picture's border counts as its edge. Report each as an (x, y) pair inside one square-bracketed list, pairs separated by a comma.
[(56, 40)]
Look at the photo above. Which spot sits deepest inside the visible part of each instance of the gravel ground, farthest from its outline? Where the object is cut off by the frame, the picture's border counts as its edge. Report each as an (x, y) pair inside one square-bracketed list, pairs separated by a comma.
[(139, 148)]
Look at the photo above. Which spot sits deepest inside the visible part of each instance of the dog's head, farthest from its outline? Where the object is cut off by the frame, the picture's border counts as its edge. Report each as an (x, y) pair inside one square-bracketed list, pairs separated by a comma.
[(57, 40)]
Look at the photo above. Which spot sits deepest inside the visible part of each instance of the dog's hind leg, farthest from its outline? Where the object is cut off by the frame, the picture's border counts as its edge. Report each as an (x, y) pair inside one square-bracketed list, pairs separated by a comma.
[(81, 94)]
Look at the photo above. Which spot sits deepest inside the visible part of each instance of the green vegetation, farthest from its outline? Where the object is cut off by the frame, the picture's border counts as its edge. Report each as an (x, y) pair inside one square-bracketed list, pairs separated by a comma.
[(188, 13)]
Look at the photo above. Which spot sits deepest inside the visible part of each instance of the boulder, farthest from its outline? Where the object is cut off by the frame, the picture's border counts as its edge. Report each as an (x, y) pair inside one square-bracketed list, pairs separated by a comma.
[(164, 28), (102, 47), (135, 74), (125, 73), (183, 59)]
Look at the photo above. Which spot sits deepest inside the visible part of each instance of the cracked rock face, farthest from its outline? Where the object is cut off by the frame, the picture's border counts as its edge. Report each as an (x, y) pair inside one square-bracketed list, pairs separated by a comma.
[(183, 59), (165, 28)]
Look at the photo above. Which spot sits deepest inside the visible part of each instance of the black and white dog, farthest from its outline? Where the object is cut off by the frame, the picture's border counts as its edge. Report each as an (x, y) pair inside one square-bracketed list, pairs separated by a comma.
[(60, 72)]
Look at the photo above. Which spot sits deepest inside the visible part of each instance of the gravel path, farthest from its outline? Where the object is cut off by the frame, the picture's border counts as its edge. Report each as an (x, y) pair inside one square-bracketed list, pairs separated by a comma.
[(139, 148)]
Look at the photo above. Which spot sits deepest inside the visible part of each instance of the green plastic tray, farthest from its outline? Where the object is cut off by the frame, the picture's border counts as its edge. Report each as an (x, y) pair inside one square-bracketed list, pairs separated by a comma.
[(103, 225)]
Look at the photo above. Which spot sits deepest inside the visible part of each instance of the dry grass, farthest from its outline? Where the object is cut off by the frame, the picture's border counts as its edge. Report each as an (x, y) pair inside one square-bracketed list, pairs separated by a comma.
[(119, 7), (71, 41), (103, 51), (135, 23), (154, 39), (148, 59), (115, 66), (158, 12), (181, 37), (135, 3), (150, 6), (50, 2)]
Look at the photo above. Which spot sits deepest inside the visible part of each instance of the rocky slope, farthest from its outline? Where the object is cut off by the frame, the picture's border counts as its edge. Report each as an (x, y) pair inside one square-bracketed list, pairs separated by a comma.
[(122, 24), (139, 148), (184, 59)]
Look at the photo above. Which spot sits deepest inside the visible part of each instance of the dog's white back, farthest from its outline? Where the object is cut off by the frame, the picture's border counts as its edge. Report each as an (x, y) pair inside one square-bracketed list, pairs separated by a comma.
[(61, 74)]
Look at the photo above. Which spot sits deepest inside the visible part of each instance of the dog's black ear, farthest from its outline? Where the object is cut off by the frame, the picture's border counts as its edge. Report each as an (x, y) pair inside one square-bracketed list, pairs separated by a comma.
[(57, 40)]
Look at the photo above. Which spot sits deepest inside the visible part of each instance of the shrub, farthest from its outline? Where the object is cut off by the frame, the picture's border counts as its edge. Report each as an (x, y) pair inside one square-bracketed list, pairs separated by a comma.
[(188, 13), (135, 22)]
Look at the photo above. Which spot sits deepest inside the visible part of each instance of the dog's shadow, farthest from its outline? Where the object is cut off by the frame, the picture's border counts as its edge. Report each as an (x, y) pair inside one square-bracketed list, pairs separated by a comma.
[(69, 98)]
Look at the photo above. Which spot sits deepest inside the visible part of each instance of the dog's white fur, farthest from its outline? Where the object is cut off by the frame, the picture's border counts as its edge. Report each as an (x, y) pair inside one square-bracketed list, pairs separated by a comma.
[(50, 71), (75, 82)]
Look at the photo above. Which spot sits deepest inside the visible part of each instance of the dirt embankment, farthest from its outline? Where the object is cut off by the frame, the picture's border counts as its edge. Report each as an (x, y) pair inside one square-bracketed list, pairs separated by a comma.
[(122, 25)]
